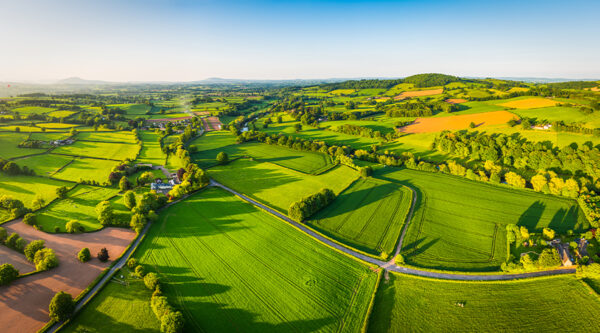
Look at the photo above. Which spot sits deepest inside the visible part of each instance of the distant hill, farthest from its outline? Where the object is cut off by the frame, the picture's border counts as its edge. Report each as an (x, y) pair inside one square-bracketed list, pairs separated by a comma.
[(78, 80)]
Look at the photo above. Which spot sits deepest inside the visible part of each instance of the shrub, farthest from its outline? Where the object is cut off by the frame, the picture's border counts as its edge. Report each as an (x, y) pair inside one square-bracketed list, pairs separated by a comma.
[(172, 322), (151, 280), (29, 219), (222, 158), (103, 255), (45, 259), (14, 242), (61, 192), (129, 199), (548, 233), (7, 274), (61, 306), (84, 255), (300, 210), (32, 248), (140, 271), (399, 259), (73, 226), (105, 213), (366, 171), (132, 263), (3, 235), (124, 184)]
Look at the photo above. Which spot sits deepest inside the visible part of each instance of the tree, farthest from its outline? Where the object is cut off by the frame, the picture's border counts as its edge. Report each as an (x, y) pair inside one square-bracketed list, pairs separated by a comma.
[(297, 127), (124, 184), (11, 168), (8, 273), (103, 255), (132, 263), (548, 233), (38, 202), (129, 199), (45, 259), (84, 255), (146, 177), (137, 223), (366, 171), (222, 158), (549, 258), (172, 322), (524, 233), (3, 235), (61, 192), (514, 180), (279, 119), (105, 213), (12, 241), (74, 226), (151, 281), (32, 248), (140, 271), (61, 306), (539, 182), (29, 219), (472, 125), (589, 271)]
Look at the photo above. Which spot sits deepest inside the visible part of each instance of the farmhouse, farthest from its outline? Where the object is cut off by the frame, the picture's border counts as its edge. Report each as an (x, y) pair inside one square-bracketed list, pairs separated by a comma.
[(563, 251), (159, 187), (542, 127), (61, 142)]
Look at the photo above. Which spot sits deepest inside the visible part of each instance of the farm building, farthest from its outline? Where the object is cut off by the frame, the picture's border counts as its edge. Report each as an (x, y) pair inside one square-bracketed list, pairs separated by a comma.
[(61, 142), (542, 127)]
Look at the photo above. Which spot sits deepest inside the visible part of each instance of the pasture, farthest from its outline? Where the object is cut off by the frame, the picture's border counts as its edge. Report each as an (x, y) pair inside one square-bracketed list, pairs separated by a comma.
[(32, 110), (276, 186), (232, 267), (369, 215), (454, 123), (9, 145), (459, 224), (86, 169), (79, 205), (529, 103), (56, 126), (118, 308), (118, 137), (105, 150), (45, 164), (61, 114), (412, 304), (302, 161)]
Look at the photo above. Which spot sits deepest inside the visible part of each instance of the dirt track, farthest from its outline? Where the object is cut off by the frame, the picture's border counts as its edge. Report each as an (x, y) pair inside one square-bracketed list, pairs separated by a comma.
[(454, 123), (24, 303)]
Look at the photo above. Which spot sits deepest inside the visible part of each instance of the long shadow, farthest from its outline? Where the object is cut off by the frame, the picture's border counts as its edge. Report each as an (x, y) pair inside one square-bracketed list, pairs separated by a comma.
[(564, 220), (530, 218), (348, 201)]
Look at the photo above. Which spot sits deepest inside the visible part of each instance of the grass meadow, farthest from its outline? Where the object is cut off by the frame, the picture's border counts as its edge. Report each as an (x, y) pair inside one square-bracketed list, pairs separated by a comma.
[(276, 186), (45, 164), (151, 151), (118, 308), (412, 304), (459, 224), (231, 267), (113, 151), (118, 137), (9, 143), (86, 169), (369, 215), (79, 205)]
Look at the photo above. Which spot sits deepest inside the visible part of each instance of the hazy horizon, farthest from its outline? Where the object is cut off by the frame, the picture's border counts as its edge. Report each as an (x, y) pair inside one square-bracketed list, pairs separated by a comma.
[(182, 41)]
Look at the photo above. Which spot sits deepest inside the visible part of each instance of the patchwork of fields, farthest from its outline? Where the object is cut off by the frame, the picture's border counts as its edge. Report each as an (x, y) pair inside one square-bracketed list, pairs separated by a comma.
[(105, 150), (369, 215), (410, 304), (460, 224), (231, 267)]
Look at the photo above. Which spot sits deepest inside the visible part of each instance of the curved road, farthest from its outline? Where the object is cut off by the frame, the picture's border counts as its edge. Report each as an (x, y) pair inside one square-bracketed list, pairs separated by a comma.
[(390, 265)]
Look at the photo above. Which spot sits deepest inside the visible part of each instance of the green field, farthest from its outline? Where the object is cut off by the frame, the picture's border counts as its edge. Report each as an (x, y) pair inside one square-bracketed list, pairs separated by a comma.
[(32, 109), (113, 151), (45, 164), (9, 143), (459, 224), (61, 114), (79, 205), (231, 267), (86, 169), (118, 308), (369, 215), (276, 186), (123, 136), (209, 145), (132, 109), (412, 304), (151, 151), (27, 188)]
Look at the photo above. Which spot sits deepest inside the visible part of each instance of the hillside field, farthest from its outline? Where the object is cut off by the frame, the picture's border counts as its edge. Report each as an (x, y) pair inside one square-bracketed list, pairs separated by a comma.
[(459, 224), (231, 267), (412, 304), (369, 215), (113, 151), (276, 186)]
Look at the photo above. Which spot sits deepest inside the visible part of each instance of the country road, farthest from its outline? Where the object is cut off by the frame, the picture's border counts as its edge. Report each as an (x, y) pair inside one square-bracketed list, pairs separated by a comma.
[(390, 265)]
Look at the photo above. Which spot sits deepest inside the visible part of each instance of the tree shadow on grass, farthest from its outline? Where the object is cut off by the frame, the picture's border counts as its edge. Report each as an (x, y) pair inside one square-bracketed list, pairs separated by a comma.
[(566, 219), (530, 218)]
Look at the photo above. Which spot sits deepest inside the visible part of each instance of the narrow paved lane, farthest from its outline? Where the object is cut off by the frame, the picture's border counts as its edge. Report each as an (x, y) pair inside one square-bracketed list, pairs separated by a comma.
[(391, 265)]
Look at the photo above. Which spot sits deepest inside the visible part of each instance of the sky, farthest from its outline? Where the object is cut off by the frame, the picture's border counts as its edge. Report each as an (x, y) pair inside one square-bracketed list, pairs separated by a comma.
[(173, 40)]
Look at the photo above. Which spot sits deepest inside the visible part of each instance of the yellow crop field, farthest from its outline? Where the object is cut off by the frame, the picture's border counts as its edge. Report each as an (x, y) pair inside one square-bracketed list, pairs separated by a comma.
[(530, 103)]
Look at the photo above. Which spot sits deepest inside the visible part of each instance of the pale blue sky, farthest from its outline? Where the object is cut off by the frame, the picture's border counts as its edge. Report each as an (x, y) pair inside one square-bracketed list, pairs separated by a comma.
[(192, 40)]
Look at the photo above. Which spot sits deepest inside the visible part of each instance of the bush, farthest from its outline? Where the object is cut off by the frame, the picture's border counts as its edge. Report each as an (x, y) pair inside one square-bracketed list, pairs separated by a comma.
[(7, 274), (45, 259), (14, 241), (140, 271), (548, 233), (61, 306), (172, 322), (399, 259), (29, 219), (366, 171), (300, 210), (103, 255), (84, 255), (61, 192), (3, 235), (222, 158), (32, 248), (73, 226), (151, 280), (132, 263), (129, 199)]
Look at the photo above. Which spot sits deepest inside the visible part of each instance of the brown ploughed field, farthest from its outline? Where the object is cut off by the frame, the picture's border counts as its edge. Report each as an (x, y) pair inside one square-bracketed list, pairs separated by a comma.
[(24, 303), (418, 93), (214, 123), (454, 123), (456, 100)]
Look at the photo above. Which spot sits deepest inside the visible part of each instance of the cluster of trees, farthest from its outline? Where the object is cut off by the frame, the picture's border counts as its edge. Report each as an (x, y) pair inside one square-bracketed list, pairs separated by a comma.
[(294, 143), (43, 258), (364, 132), (143, 211), (8, 273), (193, 178), (14, 206), (560, 126), (12, 168), (512, 151), (548, 258), (31, 144), (415, 108), (304, 208)]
